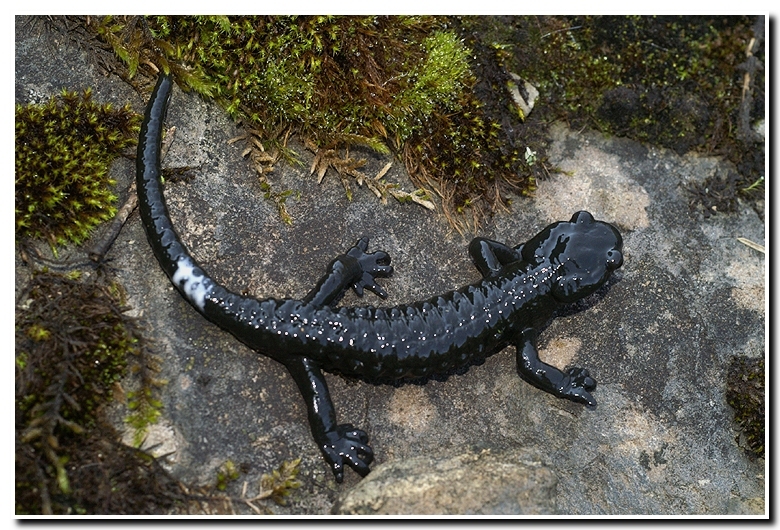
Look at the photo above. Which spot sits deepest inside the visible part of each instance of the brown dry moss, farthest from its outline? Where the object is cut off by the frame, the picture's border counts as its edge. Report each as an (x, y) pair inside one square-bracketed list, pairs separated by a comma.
[(746, 395), (73, 346)]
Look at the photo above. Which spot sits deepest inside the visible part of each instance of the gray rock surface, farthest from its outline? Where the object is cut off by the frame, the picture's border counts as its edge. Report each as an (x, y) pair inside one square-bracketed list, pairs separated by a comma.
[(509, 483), (658, 341)]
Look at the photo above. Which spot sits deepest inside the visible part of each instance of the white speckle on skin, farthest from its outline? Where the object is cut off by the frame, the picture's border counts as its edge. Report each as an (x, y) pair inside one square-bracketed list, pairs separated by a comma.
[(191, 284)]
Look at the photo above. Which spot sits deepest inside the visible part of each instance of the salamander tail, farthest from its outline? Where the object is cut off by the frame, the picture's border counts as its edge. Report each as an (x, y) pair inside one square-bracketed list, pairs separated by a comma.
[(194, 284)]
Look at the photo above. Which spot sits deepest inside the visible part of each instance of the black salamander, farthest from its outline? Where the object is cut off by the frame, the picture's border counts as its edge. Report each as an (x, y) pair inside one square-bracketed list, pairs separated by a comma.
[(519, 291)]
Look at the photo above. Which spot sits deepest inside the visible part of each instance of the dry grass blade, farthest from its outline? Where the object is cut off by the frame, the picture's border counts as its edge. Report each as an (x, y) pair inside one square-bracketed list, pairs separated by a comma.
[(752, 244), (383, 171)]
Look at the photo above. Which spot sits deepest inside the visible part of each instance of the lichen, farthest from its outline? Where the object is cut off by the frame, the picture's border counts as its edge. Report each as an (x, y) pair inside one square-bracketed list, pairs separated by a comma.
[(63, 152)]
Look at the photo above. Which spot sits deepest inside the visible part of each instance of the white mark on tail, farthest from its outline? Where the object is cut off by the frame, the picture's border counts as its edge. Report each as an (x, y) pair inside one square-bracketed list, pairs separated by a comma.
[(195, 286)]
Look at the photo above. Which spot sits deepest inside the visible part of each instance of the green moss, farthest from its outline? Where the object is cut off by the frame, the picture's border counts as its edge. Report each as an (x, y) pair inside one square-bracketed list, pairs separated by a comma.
[(21, 360), (673, 81), (434, 84), (433, 90), (145, 410), (38, 333), (321, 75), (401, 84), (63, 152), (228, 472), (281, 482), (746, 395), (75, 339), (276, 486), (662, 61)]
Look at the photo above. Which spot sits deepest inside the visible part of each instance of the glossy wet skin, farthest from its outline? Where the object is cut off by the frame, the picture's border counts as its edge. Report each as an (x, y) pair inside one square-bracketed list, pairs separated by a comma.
[(519, 291), (588, 250)]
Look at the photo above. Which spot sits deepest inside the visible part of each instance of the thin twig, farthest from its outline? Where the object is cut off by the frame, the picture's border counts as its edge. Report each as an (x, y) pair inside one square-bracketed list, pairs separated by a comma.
[(560, 31), (101, 248)]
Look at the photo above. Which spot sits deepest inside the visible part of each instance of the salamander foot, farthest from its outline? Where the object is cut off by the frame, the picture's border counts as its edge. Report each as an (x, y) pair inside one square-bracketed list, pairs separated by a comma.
[(349, 446), (373, 264), (577, 386)]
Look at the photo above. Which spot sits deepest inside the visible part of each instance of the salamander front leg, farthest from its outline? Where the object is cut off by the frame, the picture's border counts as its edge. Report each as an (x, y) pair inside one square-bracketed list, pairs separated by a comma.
[(357, 269), (490, 256), (340, 444), (575, 384)]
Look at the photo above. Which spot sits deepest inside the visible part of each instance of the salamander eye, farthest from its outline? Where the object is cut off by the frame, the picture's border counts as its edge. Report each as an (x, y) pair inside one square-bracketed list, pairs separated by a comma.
[(614, 259)]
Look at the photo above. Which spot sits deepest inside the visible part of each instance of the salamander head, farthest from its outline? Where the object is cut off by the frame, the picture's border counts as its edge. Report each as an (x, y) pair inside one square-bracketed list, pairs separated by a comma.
[(584, 251)]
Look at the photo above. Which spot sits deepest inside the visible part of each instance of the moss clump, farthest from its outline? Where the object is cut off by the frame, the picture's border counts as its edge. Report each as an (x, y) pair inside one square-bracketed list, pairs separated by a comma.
[(73, 336), (401, 84), (145, 409), (675, 81), (63, 152), (281, 482), (716, 194), (276, 486), (669, 80), (746, 395), (72, 346), (336, 80)]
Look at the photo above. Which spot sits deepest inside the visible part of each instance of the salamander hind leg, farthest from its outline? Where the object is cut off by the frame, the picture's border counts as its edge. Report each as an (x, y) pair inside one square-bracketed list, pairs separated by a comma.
[(340, 445)]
